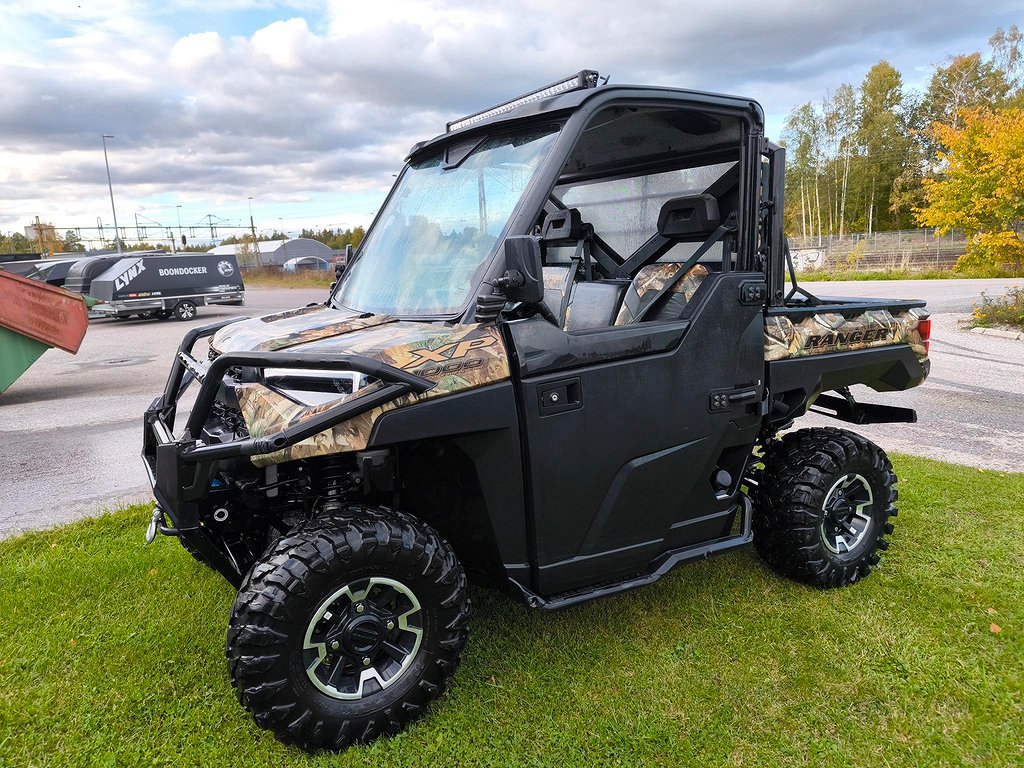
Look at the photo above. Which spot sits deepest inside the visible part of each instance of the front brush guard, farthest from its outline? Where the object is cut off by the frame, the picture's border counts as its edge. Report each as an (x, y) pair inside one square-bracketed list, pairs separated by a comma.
[(181, 469)]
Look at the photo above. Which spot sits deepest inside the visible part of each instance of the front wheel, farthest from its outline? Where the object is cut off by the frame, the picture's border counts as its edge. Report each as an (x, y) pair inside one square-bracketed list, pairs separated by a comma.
[(348, 628), (822, 506)]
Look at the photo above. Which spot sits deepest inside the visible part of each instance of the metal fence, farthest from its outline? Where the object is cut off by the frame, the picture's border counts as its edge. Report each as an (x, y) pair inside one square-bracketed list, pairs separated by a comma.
[(907, 249)]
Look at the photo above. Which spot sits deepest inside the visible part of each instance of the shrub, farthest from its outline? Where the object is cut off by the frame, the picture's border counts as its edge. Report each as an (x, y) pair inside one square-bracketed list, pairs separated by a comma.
[(1001, 310)]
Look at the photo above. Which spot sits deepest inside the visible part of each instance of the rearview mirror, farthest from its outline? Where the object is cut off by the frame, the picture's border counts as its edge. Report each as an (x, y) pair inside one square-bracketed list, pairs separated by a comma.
[(523, 279)]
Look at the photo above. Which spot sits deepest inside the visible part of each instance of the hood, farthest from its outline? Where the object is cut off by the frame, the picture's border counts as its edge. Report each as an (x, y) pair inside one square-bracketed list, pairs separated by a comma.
[(282, 330), (430, 350), (456, 358)]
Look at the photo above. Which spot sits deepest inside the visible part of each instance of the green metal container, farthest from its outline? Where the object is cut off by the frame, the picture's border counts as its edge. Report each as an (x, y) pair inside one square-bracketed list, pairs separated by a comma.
[(17, 353)]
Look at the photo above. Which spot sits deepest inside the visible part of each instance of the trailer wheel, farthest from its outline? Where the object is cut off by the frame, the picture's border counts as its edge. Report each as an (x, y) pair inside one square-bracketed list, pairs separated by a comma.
[(348, 628), (184, 310), (164, 314), (822, 506)]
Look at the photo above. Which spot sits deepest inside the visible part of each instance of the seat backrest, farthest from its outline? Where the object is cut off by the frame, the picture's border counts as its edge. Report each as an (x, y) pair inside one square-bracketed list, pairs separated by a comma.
[(594, 304), (651, 279)]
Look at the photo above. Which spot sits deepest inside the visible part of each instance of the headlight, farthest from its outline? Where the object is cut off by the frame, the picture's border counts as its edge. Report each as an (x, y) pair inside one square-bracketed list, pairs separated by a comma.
[(311, 386)]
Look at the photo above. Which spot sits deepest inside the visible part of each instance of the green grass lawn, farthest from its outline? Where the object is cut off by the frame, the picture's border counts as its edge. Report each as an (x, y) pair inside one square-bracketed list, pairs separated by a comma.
[(274, 277), (111, 653)]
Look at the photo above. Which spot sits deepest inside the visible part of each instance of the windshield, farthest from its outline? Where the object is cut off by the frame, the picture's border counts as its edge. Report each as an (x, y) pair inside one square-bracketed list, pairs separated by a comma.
[(425, 253)]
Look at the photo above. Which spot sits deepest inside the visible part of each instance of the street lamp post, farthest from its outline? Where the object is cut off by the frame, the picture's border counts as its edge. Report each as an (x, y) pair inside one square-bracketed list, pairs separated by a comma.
[(179, 221), (110, 186)]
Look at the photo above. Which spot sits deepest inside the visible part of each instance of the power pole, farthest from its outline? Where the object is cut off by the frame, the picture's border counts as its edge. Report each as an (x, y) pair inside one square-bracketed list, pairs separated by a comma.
[(39, 236), (110, 186), (255, 241)]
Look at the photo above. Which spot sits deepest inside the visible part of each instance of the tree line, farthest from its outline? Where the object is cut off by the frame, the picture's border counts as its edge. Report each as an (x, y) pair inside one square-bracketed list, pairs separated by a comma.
[(336, 239), (873, 156), (16, 242)]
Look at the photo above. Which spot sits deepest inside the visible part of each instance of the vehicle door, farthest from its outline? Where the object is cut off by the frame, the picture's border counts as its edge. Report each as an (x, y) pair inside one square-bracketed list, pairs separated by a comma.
[(636, 435)]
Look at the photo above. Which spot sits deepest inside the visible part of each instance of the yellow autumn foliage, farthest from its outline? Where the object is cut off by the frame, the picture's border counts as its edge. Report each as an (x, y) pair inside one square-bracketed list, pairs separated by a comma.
[(981, 191)]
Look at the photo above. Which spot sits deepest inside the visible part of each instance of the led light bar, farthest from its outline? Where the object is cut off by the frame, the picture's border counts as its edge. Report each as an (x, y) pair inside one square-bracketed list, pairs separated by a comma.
[(586, 78)]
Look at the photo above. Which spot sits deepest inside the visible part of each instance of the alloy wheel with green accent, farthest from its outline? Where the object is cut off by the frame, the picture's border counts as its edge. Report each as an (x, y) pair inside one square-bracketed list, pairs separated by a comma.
[(363, 638), (846, 519), (347, 628)]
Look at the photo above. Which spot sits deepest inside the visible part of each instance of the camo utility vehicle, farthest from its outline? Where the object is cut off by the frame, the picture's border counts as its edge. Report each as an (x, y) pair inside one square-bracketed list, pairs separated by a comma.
[(558, 363)]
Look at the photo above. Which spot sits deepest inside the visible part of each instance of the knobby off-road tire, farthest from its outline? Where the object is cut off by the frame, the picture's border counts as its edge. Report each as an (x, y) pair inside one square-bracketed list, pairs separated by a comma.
[(822, 506), (326, 646)]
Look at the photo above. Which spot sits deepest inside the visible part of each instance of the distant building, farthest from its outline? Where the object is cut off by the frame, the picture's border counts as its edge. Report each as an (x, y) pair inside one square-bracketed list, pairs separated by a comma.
[(273, 252), (43, 234)]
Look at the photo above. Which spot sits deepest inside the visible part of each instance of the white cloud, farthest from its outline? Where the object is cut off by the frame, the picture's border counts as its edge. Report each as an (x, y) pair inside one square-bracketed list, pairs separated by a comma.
[(196, 50), (331, 95), (286, 44)]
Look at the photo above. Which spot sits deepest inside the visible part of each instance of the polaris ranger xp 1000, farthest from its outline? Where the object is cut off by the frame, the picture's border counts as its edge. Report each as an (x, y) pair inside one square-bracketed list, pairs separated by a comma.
[(558, 364)]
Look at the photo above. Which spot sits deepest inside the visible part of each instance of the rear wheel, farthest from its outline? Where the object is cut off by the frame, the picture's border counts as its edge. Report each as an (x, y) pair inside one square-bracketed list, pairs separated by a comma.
[(822, 506), (185, 310), (348, 628)]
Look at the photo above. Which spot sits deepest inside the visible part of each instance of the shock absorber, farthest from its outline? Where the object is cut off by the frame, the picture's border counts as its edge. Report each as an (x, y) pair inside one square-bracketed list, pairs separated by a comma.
[(335, 483)]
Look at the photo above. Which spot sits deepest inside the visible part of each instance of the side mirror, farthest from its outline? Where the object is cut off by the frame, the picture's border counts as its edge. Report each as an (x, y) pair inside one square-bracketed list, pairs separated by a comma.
[(524, 276)]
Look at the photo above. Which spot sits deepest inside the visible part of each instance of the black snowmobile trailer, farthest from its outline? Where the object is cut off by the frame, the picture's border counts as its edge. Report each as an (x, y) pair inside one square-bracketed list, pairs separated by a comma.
[(162, 285), (56, 271), (81, 274)]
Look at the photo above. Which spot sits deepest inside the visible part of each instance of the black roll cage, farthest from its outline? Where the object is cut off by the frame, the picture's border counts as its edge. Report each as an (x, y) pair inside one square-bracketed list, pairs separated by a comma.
[(573, 112)]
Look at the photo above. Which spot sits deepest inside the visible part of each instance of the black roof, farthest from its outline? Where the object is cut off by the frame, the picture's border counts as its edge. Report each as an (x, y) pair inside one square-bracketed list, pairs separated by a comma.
[(573, 100)]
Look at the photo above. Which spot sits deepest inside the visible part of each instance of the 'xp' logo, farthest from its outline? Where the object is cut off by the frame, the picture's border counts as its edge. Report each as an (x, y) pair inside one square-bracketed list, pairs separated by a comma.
[(446, 353)]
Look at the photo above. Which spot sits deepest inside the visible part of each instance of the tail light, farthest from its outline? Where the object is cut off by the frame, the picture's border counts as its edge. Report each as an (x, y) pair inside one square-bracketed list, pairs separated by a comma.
[(924, 328)]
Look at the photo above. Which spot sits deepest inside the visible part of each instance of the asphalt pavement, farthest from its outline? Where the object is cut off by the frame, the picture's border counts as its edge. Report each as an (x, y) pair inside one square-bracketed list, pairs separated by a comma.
[(970, 410), (71, 427)]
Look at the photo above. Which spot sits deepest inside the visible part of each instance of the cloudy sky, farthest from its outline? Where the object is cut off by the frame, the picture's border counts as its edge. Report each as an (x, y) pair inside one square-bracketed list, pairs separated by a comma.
[(308, 107)]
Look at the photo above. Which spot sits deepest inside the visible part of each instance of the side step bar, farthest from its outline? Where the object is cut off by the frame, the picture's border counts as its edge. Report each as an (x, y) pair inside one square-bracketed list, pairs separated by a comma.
[(658, 568)]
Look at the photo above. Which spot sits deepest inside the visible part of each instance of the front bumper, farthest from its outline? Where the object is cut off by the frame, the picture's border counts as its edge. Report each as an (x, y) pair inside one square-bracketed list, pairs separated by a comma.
[(181, 469)]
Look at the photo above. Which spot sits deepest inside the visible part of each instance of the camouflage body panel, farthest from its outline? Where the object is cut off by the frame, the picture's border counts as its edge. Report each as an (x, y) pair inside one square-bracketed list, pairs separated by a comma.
[(271, 333), (652, 279), (832, 332), (457, 358)]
